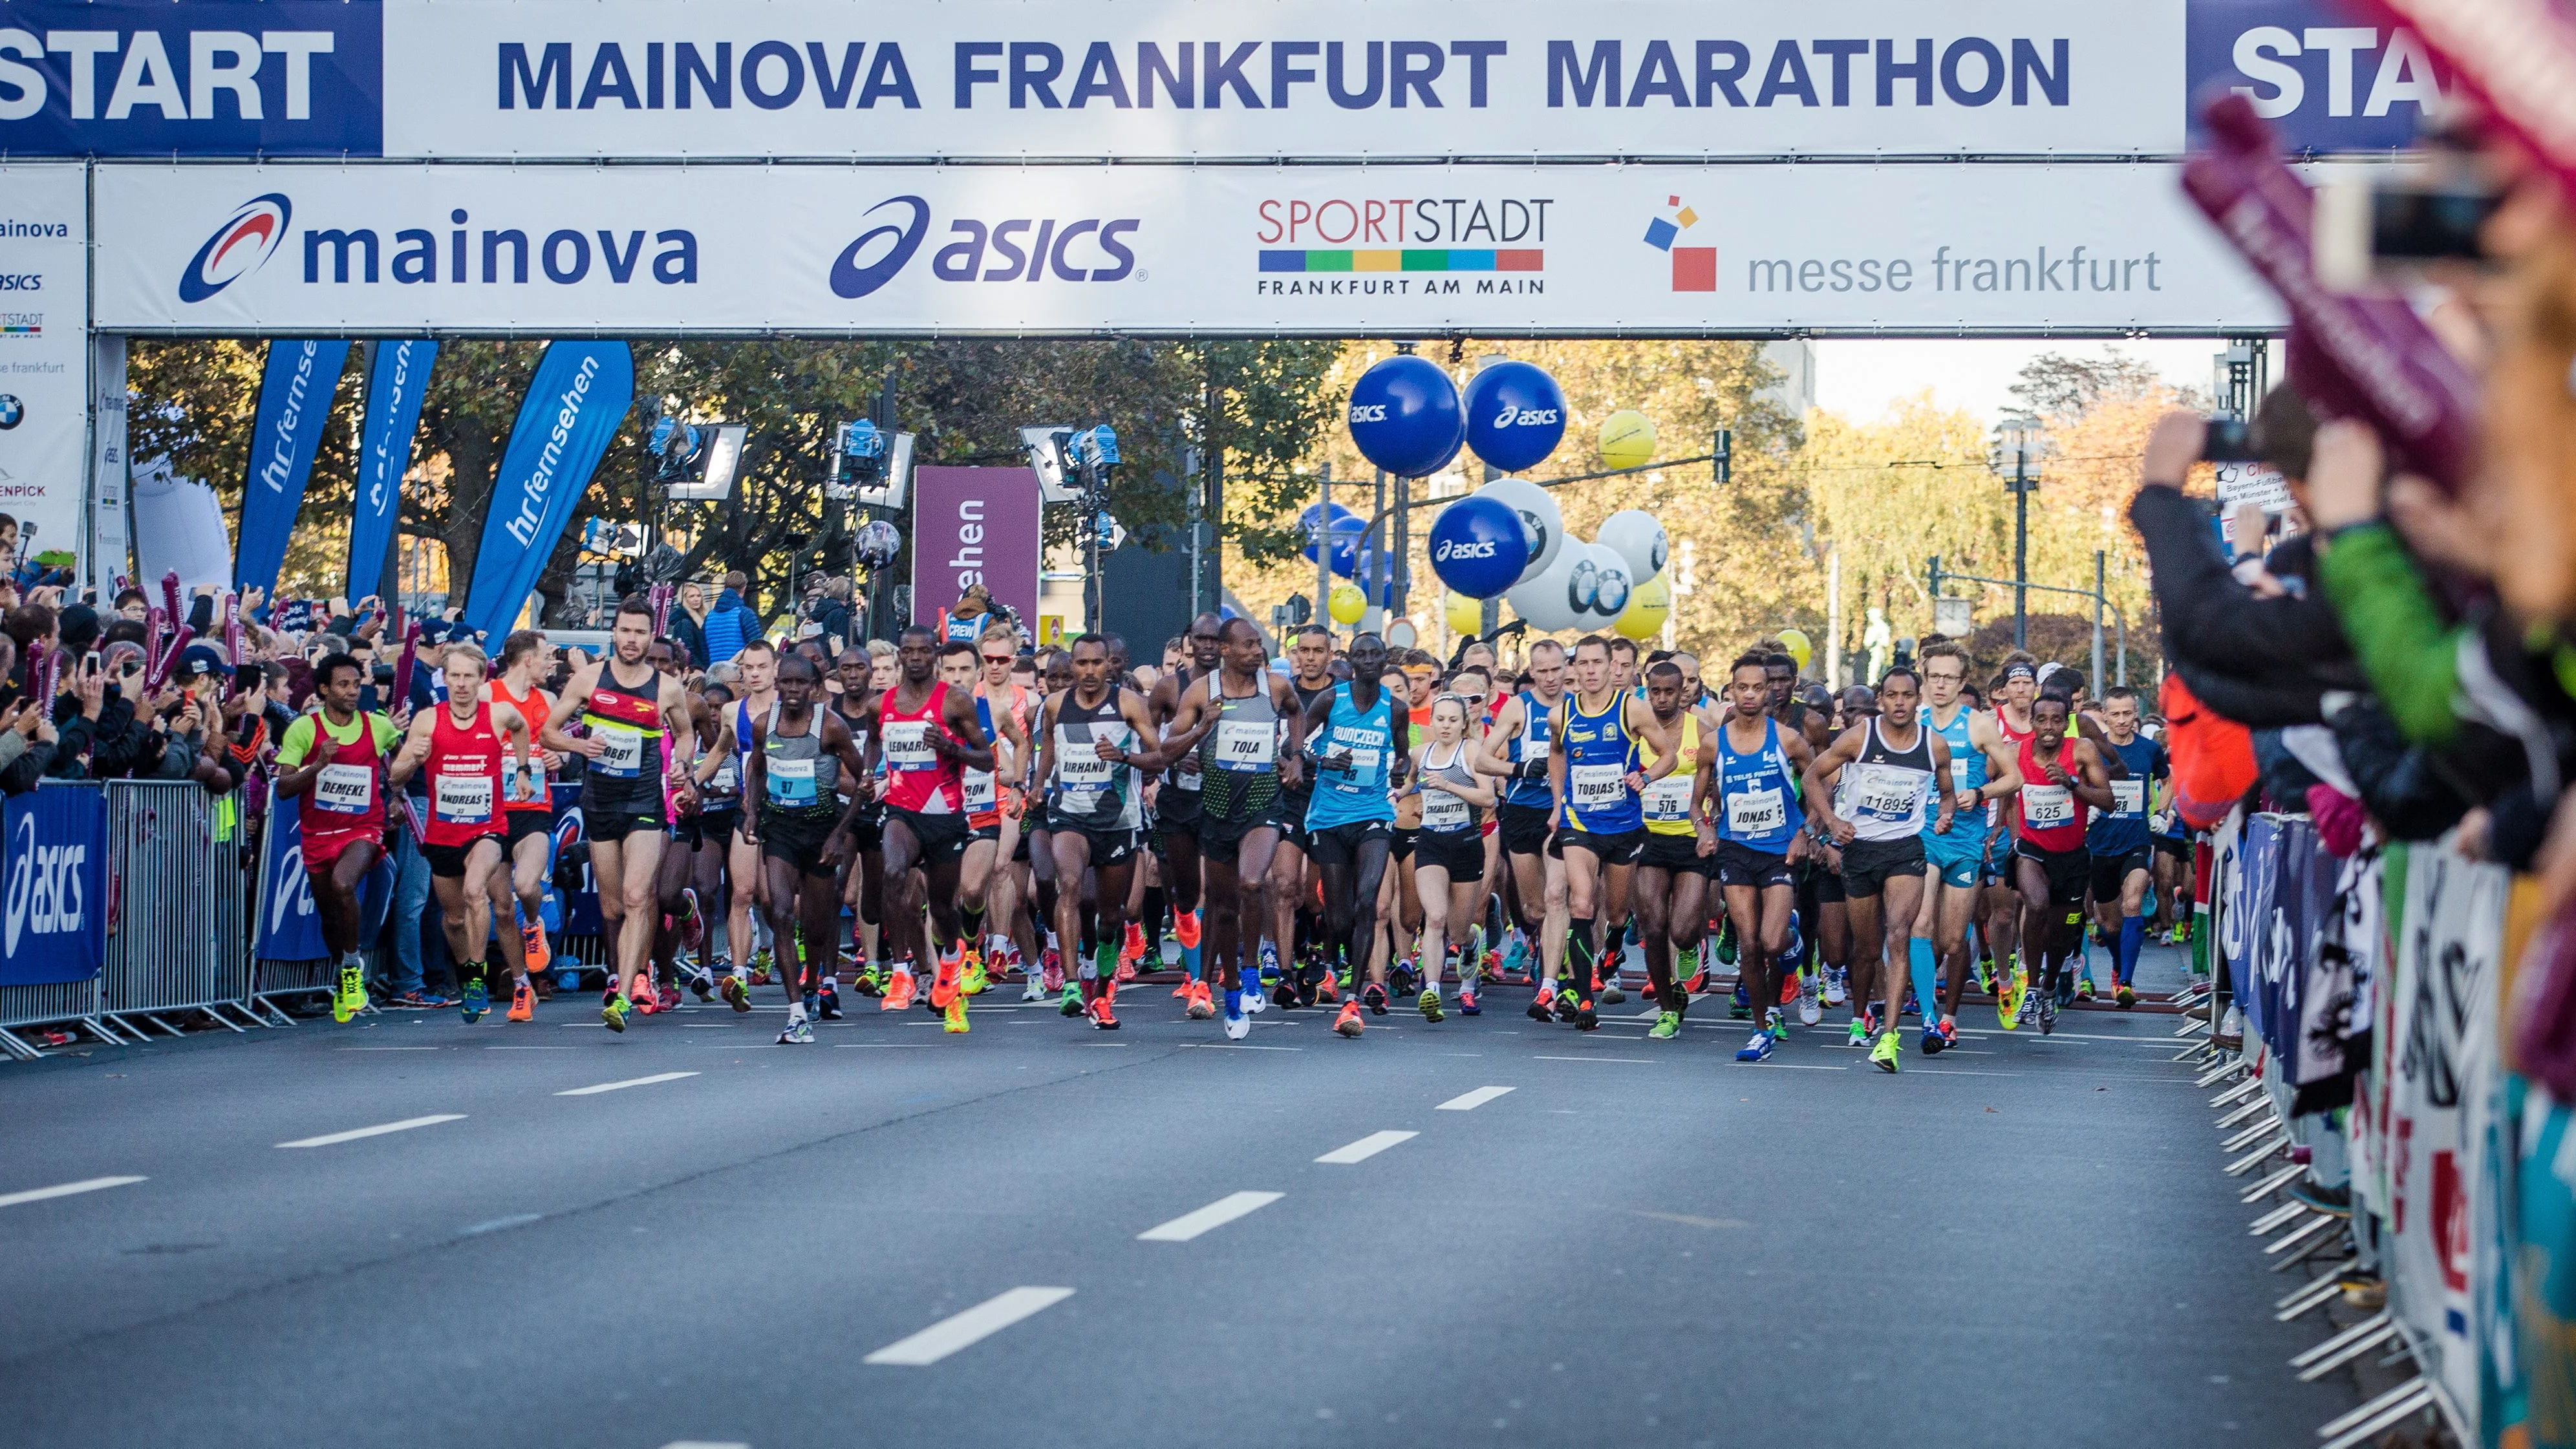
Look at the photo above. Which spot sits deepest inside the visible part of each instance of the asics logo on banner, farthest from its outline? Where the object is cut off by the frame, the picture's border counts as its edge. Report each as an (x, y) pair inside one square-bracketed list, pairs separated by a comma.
[(1515, 417), (294, 895), (44, 888), (1462, 549), (853, 281), (247, 238), (22, 281)]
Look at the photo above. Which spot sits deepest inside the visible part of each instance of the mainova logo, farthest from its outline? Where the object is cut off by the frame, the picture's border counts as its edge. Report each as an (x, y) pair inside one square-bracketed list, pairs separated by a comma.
[(249, 237), (44, 895), (1015, 249)]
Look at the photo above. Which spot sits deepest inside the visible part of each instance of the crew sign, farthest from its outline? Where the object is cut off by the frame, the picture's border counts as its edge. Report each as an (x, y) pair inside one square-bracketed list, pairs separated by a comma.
[(1183, 80)]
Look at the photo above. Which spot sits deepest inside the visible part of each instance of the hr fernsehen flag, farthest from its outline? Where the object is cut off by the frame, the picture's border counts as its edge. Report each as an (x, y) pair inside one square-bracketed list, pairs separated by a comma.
[(575, 402), (395, 386), (294, 407)]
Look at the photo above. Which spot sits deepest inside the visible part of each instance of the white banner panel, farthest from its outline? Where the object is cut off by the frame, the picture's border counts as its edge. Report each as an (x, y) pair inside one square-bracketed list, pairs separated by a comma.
[(44, 354), (1328, 251), (1186, 79)]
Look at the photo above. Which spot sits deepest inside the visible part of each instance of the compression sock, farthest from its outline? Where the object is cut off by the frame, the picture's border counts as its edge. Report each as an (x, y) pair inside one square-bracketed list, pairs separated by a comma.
[(2133, 934), (1927, 977), (971, 926), (1578, 957)]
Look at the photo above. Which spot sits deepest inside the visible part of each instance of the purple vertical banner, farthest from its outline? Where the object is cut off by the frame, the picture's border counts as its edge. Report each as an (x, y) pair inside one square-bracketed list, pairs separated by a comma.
[(975, 526)]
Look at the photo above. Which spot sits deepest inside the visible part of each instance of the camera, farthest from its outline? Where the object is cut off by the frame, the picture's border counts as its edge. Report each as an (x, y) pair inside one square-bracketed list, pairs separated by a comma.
[(2431, 210), (2229, 440)]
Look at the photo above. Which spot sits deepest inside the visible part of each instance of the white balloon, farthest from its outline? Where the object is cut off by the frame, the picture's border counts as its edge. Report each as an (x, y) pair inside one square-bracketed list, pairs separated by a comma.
[(1542, 526), (1543, 601), (1638, 537), (1610, 583)]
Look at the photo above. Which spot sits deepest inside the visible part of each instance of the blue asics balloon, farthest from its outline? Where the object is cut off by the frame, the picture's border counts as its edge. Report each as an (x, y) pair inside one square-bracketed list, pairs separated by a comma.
[(1404, 416), (1478, 547), (1515, 415)]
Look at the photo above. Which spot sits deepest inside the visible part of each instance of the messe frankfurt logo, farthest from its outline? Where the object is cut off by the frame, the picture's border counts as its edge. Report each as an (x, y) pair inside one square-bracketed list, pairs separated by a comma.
[(246, 239), (1694, 268)]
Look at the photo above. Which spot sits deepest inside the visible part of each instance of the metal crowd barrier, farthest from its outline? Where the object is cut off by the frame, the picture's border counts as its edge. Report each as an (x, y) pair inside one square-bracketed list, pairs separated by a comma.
[(178, 944)]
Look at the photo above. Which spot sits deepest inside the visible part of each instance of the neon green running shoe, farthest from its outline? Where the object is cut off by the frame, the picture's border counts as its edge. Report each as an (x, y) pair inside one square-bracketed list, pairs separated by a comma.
[(1859, 1032), (975, 983), (1779, 1024), (2008, 1001), (612, 1013), (1071, 1005), (1668, 1024), (351, 998), (1888, 1051), (1429, 1001)]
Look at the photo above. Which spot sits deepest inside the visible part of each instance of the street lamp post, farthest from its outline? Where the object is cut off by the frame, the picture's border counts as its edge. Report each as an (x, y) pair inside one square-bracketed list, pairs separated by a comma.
[(2018, 440)]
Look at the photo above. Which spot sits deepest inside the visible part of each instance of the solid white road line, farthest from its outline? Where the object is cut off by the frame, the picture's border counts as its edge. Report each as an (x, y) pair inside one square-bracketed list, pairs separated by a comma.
[(965, 1329), (1638, 1061), (629, 1082), (65, 1189), (1215, 1215), (1367, 1147), (1470, 1101), (378, 1130)]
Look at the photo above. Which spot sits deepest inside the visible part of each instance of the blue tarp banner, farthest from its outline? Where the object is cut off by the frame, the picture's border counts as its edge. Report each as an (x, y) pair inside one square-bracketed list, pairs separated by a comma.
[(53, 886), (294, 407), (289, 928), (395, 387), (576, 400), (208, 78)]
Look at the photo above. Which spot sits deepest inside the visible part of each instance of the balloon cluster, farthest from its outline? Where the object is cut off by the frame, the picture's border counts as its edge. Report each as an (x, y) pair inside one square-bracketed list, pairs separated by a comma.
[(1507, 538)]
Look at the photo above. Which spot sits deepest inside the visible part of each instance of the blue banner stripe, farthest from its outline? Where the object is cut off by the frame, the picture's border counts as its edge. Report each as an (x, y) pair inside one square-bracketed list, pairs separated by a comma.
[(576, 400), (294, 407), (395, 388)]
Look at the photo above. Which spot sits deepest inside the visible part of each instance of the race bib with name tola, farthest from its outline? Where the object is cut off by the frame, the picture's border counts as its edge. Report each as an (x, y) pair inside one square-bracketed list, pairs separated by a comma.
[(1246, 745)]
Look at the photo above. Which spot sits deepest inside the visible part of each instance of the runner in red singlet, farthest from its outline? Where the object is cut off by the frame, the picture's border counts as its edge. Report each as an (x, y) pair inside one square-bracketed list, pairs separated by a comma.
[(460, 744), (2063, 781), (333, 760), (928, 737), (529, 840)]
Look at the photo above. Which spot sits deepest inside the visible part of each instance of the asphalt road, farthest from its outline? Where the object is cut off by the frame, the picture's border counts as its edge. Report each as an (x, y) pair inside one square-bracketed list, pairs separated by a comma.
[(1551, 1239)]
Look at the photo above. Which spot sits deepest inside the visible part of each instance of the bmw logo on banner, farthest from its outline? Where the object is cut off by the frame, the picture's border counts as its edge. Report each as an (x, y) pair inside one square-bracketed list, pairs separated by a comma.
[(246, 239)]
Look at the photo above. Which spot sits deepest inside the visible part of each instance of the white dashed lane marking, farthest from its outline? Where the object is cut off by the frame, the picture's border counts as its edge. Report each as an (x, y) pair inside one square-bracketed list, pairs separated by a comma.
[(966, 1329), (380, 1129), (1367, 1147), (1470, 1101), (65, 1189), (629, 1082), (1215, 1215)]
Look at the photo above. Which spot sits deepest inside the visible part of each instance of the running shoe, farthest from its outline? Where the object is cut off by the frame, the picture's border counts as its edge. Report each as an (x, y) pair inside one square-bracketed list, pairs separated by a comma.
[(1810, 1010), (2064, 995), (1779, 1024), (1102, 1015), (2047, 1014), (352, 995), (1288, 992), (1756, 1049), (736, 995), (1255, 1000), (704, 984), (1071, 1005), (1949, 1032), (1126, 969), (1429, 1002), (641, 999), (1788, 987), (1932, 1043), (1739, 1006), (477, 1001), (898, 993), (1348, 1022), (1688, 970), (1402, 980), (2008, 1001), (532, 943), (944, 980), (1033, 989), (612, 1013), (813, 1006), (691, 921), (1331, 986), (1540, 1007), (1567, 1006), (976, 982), (953, 1019), (1375, 997), (1051, 971), (1888, 1050), (2084, 986), (1612, 993), (1859, 1032), (1269, 963), (2125, 997), (760, 973), (828, 999), (1837, 985), (799, 1032), (523, 1002), (868, 982), (1514, 955), (1201, 1007), (1668, 1024), (1238, 1024), (1467, 1004), (1586, 1017), (667, 999)]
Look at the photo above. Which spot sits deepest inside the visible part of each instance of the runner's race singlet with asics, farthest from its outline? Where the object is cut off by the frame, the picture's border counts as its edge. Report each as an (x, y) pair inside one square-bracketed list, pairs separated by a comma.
[(1239, 759), (1443, 813), (1088, 792), (2052, 816), (1757, 798), (1967, 772), (1598, 800), (2123, 827), (802, 778), (348, 797), (1538, 734), (1883, 792), (464, 770), (918, 779), (1666, 803), (628, 720), (1367, 736), (533, 707)]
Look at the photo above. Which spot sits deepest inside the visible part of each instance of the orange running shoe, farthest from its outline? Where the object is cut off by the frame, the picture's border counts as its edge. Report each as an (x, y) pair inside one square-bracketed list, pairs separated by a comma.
[(1348, 1023), (523, 1002), (1102, 1016), (1788, 988), (943, 979), (532, 943), (1328, 989), (1185, 928), (898, 995), (1202, 1006)]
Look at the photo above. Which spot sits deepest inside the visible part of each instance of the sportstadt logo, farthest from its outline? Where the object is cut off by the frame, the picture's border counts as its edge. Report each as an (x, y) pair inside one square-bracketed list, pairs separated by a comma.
[(249, 237), (1694, 268)]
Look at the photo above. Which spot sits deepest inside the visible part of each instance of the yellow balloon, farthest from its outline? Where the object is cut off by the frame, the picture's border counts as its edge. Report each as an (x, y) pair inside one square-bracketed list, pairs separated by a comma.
[(1796, 642), (1627, 439), (1649, 605), (1346, 603), (1466, 615)]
